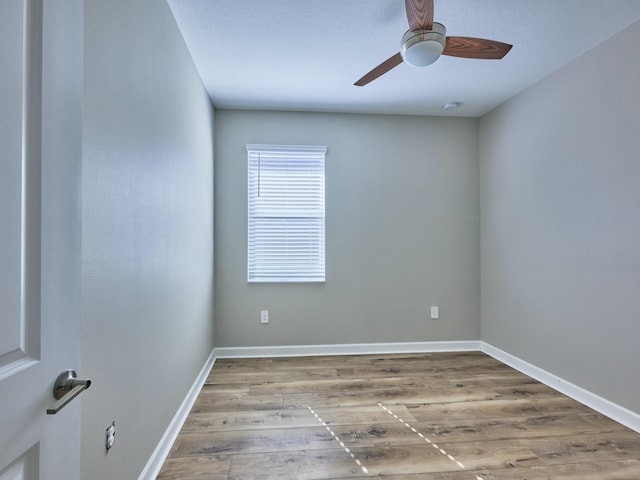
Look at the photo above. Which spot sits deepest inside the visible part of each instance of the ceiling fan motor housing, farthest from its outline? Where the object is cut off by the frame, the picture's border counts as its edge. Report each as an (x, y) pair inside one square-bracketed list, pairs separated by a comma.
[(423, 47)]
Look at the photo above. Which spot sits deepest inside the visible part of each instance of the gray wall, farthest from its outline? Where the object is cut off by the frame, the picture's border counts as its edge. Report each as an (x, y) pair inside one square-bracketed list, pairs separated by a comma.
[(560, 203), (402, 231), (147, 231)]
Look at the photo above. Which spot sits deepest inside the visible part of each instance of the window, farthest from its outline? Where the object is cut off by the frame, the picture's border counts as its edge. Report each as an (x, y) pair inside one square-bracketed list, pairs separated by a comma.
[(286, 213)]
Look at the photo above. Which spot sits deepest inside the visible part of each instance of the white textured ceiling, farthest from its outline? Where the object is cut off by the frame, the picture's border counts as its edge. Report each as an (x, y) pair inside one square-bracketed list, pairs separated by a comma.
[(306, 54)]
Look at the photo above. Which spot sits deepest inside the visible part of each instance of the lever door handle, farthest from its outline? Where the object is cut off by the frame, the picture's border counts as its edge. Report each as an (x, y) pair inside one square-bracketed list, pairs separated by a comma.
[(66, 388)]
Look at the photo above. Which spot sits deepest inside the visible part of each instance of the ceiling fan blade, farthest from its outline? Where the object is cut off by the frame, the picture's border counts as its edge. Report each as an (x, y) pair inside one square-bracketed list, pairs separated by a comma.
[(419, 14), (470, 47), (381, 69)]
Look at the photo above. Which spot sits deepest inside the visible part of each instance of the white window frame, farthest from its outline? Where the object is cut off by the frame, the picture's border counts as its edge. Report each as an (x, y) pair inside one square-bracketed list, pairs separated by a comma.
[(285, 213)]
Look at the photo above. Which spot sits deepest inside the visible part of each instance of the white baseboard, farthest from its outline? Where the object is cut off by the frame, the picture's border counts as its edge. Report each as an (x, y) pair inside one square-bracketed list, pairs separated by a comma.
[(612, 410), (159, 455), (347, 349)]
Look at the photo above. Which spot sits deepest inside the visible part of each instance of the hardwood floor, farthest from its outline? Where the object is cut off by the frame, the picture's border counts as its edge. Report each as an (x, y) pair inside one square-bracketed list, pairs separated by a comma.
[(440, 416)]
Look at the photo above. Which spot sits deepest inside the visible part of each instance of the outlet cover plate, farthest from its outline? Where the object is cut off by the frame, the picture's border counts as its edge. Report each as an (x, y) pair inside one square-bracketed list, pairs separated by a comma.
[(110, 435)]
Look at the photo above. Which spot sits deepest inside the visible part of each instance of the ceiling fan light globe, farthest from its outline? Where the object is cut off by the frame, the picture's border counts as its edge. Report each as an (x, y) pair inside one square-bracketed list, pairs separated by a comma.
[(423, 47), (423, 53)]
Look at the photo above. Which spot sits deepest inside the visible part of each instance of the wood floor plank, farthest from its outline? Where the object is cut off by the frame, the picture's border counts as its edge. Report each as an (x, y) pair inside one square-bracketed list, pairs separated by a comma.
[(613, 470), (378, 461), (513, 428), (281, 384), (394, 396), (248, 420), (209, 401), (300, 465), (289, 418), (424, 369), (210, 467), (416, 396), (527, 391), (257, 376), (583, 448), (227, 388), (495, 408), (262, 441), (493, 379), (344, 385), (444, 457), (361, 414)]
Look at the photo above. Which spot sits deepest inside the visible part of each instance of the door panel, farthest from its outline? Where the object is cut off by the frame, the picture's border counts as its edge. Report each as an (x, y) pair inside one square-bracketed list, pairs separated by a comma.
[(10, 183), (23, 468), (40, 166), (20, 369), (19, 242)]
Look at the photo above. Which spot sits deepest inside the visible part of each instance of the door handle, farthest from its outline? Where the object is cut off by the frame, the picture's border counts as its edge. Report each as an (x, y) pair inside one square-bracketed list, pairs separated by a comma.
[(66, 388)]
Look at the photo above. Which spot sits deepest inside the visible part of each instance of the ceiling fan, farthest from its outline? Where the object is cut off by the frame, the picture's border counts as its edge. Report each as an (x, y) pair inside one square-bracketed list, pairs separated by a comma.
[(426, 40)]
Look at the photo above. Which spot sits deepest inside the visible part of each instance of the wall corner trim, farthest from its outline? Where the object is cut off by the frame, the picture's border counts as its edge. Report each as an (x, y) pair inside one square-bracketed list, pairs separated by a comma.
[(606, 407), (347, 349), (161, 452)]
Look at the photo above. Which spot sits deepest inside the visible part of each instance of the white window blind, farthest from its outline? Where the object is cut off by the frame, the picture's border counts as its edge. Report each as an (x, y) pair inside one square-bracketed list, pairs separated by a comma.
[(286, 213)]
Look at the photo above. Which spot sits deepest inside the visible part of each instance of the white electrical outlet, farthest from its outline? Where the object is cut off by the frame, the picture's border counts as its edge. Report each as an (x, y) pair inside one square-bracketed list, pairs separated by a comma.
[(435, 312), (264, 316), (110, 435)]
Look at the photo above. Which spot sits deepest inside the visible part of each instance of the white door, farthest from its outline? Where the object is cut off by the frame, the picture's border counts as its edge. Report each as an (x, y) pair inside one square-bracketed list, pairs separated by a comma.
[(40, 160)]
